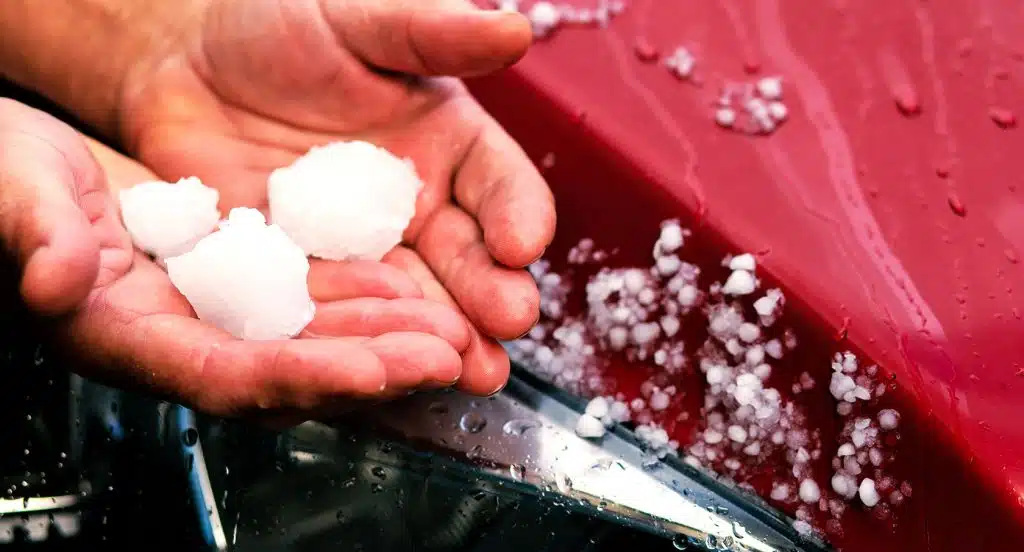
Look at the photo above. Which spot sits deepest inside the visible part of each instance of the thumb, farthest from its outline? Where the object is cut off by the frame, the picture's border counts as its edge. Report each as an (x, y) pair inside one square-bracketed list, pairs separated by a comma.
[(45, 169), (430, 37)]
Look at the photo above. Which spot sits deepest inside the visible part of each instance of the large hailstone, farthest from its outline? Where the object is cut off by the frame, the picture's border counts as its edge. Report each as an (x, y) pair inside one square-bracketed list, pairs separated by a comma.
[(346, 200), (165, 219), (247, 278)]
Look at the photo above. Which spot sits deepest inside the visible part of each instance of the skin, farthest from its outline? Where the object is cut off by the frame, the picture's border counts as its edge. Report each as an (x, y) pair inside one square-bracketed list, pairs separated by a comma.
[(239, 89)]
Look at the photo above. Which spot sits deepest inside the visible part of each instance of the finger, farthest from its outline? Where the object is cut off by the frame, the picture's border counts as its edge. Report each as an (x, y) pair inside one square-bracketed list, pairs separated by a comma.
[(45, 171), (503, 303), (416, 360), (139, 332), (438, 37), (485, 365), (122, 172), (335, 281), (500, 187), (371, 317)]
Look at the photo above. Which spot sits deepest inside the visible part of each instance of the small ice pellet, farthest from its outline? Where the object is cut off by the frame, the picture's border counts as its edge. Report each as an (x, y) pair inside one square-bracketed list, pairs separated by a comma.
[(589, 427), (165, 219), (345, 200), (247, 278), (868, 493), (725, 117), (770, 88), (765, 306), (659, 401), (802, 527), (670, 325), (618, 338), (671, 237), (745, 261), (844, 485), (544, 17), (774, 349), (597, 407), (809, 491), (888, 419), (740, 282), (681, 63), (846, 449), (778, 111), (687, 296), (749, 333), (737, 434), (619, 411), (780, 492)]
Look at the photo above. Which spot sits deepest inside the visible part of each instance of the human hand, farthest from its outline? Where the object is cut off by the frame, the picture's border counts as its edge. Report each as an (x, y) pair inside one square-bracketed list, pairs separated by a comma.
[(256, 84), (375, 336)]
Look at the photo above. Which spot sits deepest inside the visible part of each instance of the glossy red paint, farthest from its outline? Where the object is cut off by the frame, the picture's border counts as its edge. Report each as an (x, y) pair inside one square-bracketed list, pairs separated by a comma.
[(888, 207)]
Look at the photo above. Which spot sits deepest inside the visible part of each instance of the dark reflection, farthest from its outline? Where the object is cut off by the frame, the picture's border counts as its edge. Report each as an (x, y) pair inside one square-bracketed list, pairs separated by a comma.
[(344, 488)]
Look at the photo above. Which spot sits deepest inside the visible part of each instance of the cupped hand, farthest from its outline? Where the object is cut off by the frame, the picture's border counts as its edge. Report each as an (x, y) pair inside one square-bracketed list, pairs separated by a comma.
[(374, 335), (259, 83)]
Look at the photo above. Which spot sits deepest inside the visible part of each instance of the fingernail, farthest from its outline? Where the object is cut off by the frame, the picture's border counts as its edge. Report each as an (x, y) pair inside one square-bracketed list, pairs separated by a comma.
[(498, 390), (539, 257), (440, 384)]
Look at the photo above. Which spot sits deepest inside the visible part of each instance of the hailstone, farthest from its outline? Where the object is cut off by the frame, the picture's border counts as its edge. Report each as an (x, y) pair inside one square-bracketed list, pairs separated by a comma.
[(345, 200), (247, 278), (165, 219)]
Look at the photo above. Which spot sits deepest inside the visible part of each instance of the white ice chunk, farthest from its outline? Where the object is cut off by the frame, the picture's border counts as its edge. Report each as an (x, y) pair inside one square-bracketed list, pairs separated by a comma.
[(888, 419), (544, 17), (247, 278), (770, 88), (345, 200), (740, 282), (165, 219), (809, 491), (868, 493), (597, 407), (745, 261), (589, 427)]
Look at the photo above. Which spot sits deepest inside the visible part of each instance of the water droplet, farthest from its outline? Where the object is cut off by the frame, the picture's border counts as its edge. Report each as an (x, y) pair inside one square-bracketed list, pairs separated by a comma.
[(475, 453), (376, 488), (472, 422), (190, 437), (644, 50), (348, 483), (679, 542), (519, 426), (341, 516), (907, 101), (378, 472), (517, 472), (957, 206), (438, 407), (563, 483), (1002, 117)]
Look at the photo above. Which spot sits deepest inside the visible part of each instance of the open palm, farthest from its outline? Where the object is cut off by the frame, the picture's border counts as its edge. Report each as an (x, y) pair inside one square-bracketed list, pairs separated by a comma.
[(259, 83), (373, 337)]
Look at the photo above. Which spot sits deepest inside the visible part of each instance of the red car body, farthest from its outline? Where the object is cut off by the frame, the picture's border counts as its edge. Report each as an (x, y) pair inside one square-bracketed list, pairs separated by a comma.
[(889, 207)]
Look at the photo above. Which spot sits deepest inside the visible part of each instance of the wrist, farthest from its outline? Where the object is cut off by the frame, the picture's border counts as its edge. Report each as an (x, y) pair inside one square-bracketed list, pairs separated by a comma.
[(83, 54)]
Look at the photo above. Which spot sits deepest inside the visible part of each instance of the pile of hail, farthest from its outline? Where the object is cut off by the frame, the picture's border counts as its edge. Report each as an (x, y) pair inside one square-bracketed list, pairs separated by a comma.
[(747, 425), (547, 17)]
